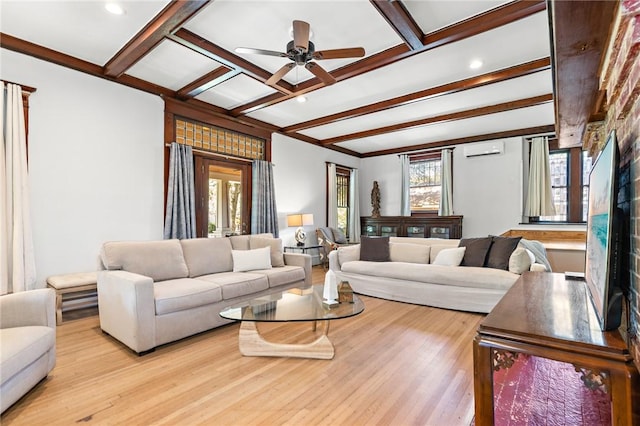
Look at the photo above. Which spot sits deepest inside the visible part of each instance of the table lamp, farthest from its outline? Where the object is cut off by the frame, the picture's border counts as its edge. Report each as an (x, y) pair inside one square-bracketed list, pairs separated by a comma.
[(300, 220)]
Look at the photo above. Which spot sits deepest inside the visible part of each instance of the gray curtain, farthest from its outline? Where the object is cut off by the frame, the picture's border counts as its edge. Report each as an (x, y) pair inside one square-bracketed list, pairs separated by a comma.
[(539, 200), (180, 218), (405, 203), (446, 182), (354, 203), (264, 214)]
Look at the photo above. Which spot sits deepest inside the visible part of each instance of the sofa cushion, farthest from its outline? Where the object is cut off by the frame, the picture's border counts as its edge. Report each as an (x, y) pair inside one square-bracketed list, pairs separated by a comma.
[(437, 248), (237, 284), (500, 251), (241, 242), (282, 275), (473, 277), (519, 261), (207, 255), (450, 256), (249, 260), (476, 252), (275, 245), (411, 253), (160, 260), (23, 345), (374, 249), (348, 253), (184, 293)]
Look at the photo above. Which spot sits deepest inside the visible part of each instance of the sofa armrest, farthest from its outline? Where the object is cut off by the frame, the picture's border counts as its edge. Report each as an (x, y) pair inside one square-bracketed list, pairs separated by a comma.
[(301, 260), (334, 264), (126, 307), (26, 308)]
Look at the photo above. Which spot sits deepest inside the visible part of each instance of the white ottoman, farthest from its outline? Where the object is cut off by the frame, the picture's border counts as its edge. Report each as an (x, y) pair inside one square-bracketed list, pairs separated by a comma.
[(77, 285)]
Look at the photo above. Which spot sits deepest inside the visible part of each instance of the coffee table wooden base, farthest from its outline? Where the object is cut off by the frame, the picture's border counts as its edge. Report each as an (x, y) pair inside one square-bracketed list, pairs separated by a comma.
[(253, 344)]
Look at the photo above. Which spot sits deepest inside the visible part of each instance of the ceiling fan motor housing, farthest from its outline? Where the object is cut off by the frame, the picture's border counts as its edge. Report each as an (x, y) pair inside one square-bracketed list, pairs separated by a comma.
[(299, 56)]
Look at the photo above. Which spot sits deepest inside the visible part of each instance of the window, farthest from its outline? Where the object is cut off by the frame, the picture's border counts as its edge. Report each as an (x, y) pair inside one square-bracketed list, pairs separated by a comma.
[(343, 177), (424, 182), (570, 184)]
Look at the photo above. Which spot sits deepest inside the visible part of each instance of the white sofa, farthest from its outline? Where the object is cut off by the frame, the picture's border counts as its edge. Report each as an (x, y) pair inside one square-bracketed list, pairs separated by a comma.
[(155, 292), (410, 276), (27, 342)]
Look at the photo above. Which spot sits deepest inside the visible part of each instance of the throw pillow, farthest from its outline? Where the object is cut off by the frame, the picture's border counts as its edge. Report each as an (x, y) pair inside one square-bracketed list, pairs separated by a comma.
[(500, 251), (450, 256), (339, 237), (476, 252), (250, 260), (519, 261), (275, 244), (374, 249), (410, 253)]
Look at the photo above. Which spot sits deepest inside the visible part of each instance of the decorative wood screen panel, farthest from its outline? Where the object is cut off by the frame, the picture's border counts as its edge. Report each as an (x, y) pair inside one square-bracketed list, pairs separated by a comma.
[(219, 140)]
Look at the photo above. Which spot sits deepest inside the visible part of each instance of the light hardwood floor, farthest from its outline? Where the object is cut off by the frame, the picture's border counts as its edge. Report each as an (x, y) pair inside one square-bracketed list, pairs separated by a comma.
[(395, 364)]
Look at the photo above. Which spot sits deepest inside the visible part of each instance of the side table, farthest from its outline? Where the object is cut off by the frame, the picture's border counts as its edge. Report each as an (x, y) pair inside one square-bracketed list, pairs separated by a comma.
[(305, 249), (547, 316)]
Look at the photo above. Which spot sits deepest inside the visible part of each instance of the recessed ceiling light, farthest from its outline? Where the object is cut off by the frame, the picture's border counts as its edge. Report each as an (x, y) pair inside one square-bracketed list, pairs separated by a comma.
[(114, 8), (475, 64), (301, 99)]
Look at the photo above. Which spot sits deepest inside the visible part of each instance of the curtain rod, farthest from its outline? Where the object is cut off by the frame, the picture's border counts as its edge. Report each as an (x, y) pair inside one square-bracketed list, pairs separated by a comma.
[(424, 151), (215, 154), (24, 88)]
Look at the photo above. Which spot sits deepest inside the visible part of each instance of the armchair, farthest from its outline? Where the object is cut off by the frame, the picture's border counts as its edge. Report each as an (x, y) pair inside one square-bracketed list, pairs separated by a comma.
[(27, 342), (330, 239)]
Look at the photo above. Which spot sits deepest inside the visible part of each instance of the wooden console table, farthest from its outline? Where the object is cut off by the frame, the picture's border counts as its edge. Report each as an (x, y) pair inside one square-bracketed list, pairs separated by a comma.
[(547, 316), (412, 226)]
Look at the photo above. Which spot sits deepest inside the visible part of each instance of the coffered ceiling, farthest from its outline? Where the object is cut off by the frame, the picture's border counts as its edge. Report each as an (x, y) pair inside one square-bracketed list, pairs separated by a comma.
[(414, 88)]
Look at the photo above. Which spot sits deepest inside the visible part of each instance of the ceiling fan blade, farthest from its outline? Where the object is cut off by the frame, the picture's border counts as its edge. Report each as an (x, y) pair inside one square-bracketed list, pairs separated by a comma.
[(320, 72), (260, 51), (351, 52), (277, 76), (301, 35)]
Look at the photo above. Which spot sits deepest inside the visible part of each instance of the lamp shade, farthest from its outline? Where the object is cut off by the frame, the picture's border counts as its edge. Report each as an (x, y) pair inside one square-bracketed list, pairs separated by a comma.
[(307, 219), (294, 220)]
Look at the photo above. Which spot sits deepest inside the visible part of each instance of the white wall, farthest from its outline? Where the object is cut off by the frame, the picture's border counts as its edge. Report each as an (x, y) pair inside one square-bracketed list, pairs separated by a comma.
[(486, 190), (95, 162), (300, 176)]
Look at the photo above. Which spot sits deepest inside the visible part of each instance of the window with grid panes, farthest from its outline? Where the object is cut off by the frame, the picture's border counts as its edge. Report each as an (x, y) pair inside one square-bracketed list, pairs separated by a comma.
[(586, 169), (342, 187), (424, 182)]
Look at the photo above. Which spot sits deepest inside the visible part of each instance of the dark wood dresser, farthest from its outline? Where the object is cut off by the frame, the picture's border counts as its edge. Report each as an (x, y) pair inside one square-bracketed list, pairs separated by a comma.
[(412, 226)]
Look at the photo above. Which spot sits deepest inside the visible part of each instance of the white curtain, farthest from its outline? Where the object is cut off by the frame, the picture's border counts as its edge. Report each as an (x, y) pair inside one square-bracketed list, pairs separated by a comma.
[(332, 197), (539, 200), (405, 204), (180, 216), (17, 262), (446, 184), (354, 204)]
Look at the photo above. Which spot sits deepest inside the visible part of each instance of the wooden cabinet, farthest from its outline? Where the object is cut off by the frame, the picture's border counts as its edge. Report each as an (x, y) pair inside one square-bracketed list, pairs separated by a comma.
[(409, 226)]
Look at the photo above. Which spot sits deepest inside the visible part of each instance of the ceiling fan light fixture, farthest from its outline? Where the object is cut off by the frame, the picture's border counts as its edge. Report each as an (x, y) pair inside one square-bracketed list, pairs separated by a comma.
[(114, 8), (301, 99)]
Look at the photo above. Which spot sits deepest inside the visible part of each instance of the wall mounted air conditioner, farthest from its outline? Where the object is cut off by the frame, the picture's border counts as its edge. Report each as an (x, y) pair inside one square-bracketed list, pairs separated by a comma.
[(486, 148)]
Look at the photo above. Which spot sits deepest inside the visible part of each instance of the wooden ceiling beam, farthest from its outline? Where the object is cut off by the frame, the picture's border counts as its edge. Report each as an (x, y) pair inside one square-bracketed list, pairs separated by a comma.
[(446, 89), (580, 33), (454, 116), (401, 21), (206, 82), (198, 44), (495, 18), (505, 14), (171, 17), (529, 131)]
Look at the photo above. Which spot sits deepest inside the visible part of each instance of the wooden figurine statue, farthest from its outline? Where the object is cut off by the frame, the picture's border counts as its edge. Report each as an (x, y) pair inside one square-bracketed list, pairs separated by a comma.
[(375, 200)]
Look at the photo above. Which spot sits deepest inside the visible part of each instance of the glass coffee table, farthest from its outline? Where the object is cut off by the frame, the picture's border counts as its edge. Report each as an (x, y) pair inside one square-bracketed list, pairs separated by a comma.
[(293, 305)]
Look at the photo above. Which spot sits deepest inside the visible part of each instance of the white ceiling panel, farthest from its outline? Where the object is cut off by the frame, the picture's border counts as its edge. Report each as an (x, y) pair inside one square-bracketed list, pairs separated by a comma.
[(235, 91), (267, 25), (172, 66), (539, 115), (434, 15), (500, 48), (83, 29), (517, 88)]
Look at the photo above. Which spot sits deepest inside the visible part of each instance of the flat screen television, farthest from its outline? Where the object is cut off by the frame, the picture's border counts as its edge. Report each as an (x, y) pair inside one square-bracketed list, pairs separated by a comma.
[(602, 266)]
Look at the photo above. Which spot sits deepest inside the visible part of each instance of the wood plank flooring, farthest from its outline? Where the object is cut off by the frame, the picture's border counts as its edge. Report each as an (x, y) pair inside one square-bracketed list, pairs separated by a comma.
[(395, 364)]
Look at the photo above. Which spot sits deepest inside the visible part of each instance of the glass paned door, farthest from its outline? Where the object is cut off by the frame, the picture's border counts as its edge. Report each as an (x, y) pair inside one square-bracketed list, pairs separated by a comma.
[(223, 197)]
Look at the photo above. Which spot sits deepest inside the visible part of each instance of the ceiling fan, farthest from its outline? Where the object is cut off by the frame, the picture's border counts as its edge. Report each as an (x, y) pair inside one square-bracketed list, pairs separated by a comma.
[(302, 51)]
